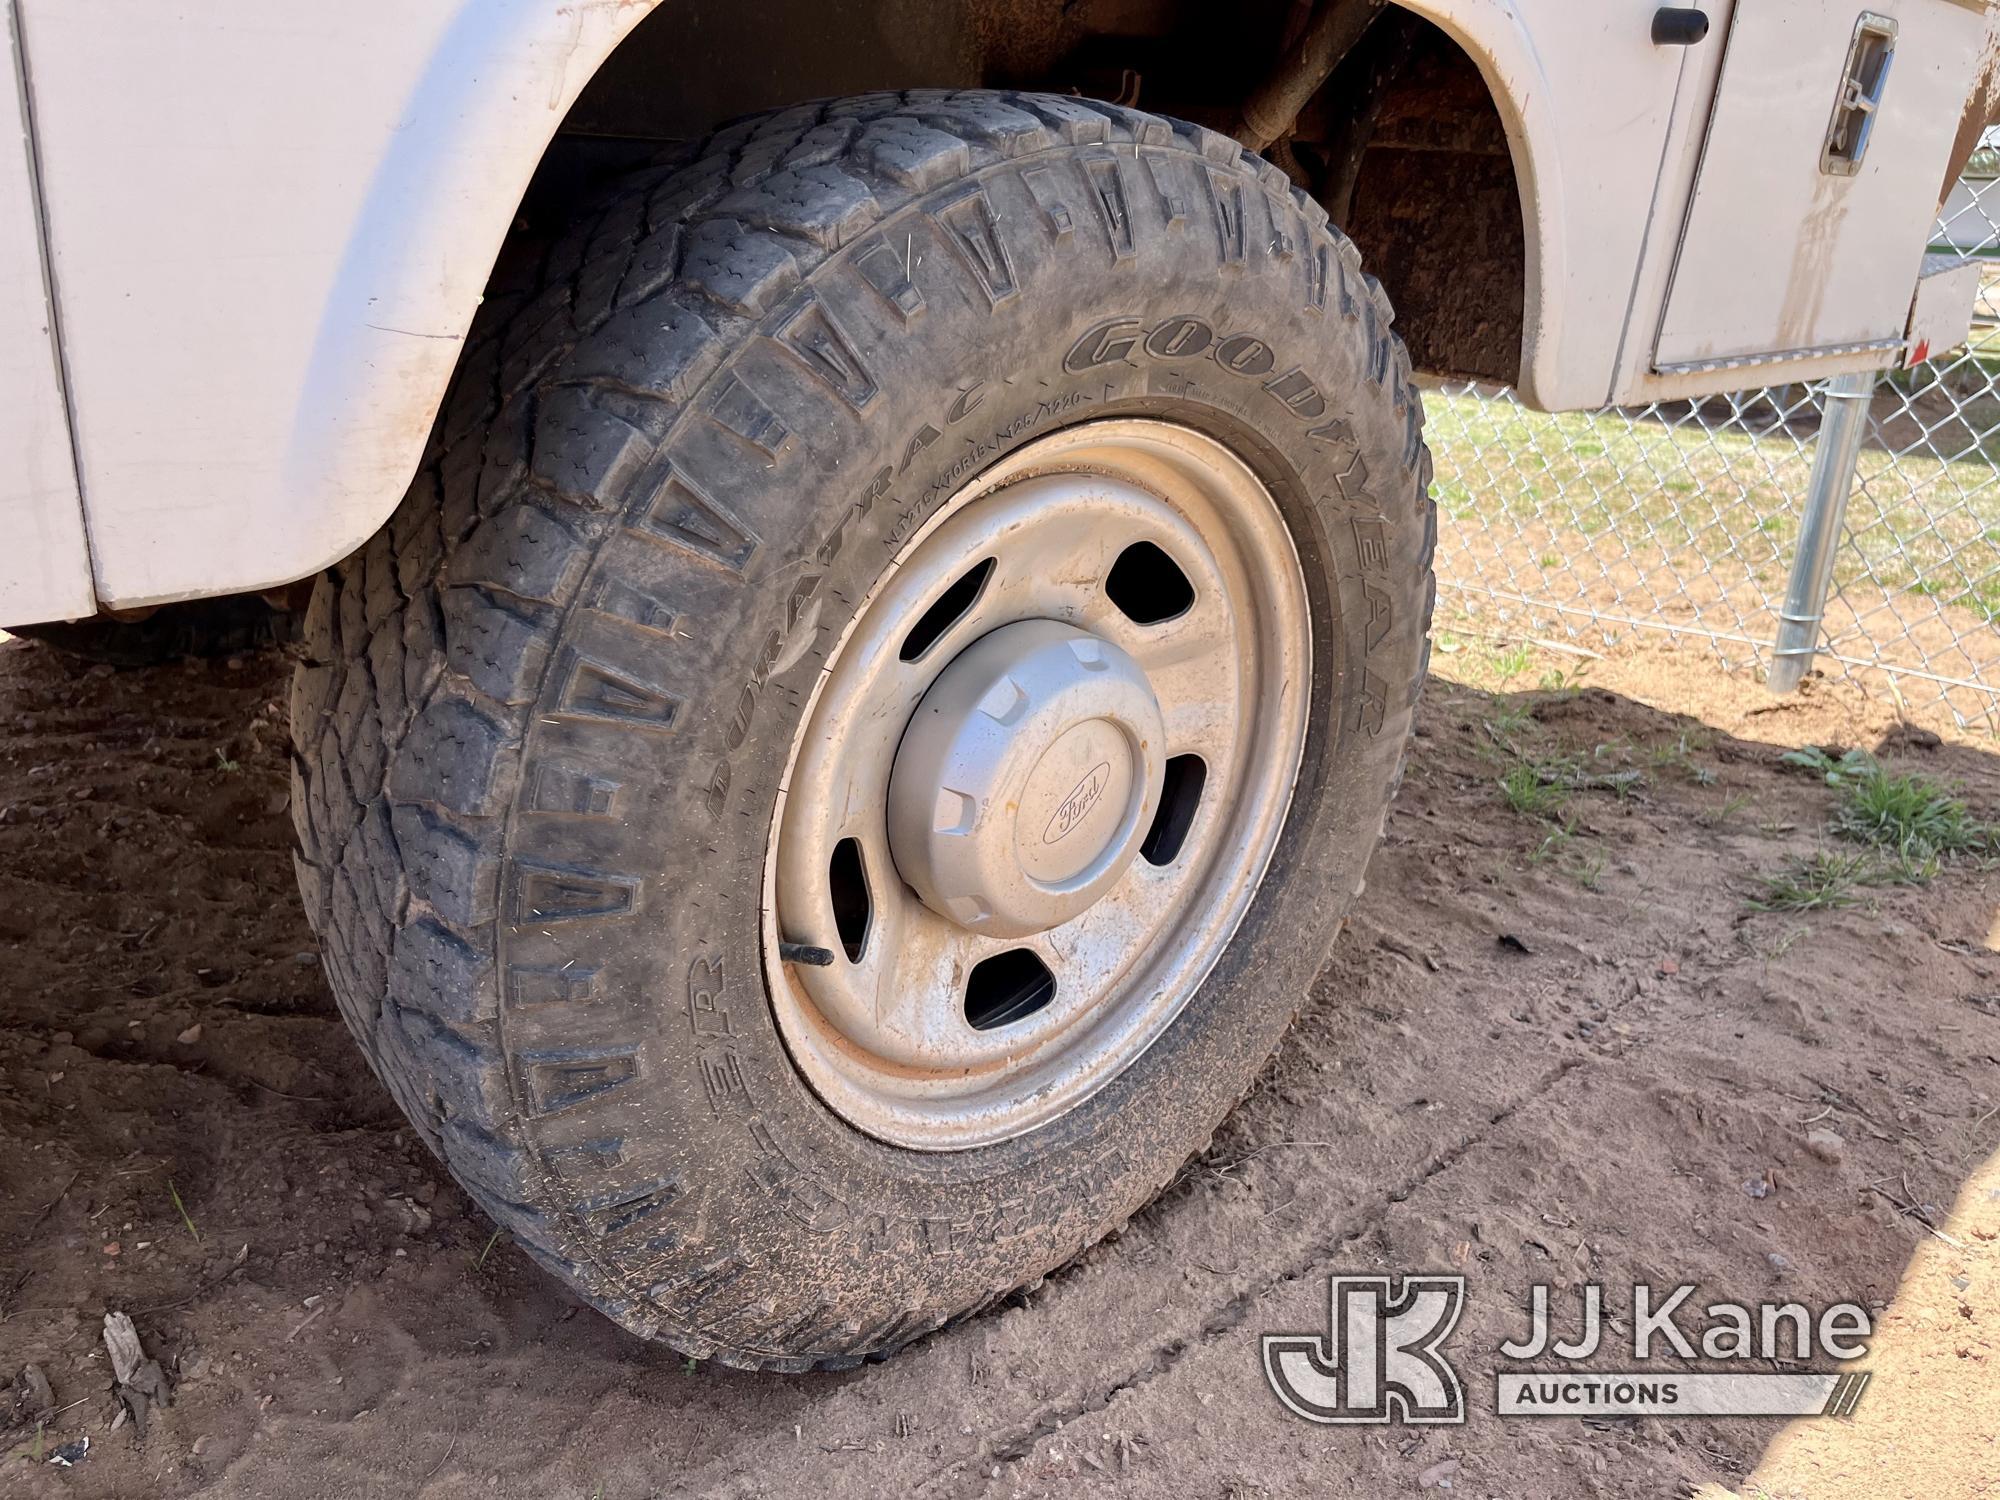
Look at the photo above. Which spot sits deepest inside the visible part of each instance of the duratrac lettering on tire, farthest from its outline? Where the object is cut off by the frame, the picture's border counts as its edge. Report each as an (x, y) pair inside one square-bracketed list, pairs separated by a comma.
[(542, 715)]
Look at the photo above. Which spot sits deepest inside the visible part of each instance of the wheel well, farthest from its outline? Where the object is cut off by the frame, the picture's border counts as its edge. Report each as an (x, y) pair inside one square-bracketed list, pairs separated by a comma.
[(1407, 149), (1402, 141)]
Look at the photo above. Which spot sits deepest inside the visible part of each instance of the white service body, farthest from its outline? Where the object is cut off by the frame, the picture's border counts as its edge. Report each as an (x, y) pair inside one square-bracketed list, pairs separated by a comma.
[(241, 242)]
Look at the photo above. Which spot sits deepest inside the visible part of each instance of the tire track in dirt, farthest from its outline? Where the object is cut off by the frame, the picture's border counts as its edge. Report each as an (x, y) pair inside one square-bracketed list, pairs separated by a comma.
[(1128, 1368), (1167, 1356)]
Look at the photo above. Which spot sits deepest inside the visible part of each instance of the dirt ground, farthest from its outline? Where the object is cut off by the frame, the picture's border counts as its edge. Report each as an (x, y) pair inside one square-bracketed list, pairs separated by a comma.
[(1542, 1053)]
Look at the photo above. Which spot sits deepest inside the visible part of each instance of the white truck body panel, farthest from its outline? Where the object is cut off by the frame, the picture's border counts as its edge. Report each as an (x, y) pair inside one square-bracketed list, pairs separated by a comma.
[(1780, 256), (1553, 64), (45, 565), (1946, 288), (269, 227)]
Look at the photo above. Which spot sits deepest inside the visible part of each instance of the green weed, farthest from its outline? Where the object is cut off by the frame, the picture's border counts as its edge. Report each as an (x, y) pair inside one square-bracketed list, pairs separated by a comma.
[(1820, 882), (175, 1194), (1528, 793), (1912, 821)]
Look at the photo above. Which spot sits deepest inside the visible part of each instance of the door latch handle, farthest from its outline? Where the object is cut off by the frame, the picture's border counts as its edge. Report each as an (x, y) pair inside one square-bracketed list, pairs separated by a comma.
[(1862, 81), (1678, 26)]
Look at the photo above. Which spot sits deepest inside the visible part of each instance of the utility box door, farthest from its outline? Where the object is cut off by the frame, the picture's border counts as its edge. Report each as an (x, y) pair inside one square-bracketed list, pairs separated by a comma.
[(1805, 233)]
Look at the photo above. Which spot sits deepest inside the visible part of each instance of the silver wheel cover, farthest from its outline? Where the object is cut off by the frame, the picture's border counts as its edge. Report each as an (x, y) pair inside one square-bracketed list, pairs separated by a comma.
[(999, 788)]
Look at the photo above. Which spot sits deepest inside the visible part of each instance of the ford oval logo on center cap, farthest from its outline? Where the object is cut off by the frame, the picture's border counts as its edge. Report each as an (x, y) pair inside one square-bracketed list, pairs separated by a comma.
[(1082, 798)]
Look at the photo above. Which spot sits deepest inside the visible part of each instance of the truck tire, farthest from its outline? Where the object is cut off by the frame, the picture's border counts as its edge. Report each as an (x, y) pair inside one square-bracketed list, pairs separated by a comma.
[(847, 759)]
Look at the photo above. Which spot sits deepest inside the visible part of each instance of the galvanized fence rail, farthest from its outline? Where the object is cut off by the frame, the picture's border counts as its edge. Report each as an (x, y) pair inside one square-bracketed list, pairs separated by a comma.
[(1683, 519)]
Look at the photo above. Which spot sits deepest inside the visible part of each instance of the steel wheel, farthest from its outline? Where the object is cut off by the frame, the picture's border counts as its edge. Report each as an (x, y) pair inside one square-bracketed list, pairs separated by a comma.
[(1037, 784)]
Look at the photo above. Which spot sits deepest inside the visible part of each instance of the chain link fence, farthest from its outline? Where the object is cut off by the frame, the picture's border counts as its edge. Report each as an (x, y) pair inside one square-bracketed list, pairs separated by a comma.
[(1679, 519)]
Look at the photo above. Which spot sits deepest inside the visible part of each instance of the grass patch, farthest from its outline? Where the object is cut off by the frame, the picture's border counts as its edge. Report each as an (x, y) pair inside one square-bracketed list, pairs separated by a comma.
[(1509, 719), (1820, 882), (1528, 793), (1683, 485), (479, 1264), (1554, 843), (1910, 815), (1915, 823), (1563, 681), (1510, 662), (1579, 773), (1498, 664), (1908, 827), (1730, 807), (1679, 755), (1537, 785)]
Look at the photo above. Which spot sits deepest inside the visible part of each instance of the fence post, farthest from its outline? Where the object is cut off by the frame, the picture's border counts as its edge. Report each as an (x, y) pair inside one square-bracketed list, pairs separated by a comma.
[(1843, 421)]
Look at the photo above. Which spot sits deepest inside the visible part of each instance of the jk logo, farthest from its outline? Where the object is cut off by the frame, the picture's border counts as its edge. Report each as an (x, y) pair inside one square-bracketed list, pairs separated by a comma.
[(1378, 1361)]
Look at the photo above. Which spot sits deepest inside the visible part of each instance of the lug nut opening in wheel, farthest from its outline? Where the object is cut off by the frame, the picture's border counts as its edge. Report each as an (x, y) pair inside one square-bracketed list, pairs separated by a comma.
[(1007, 987), (1148, 585), (1038, 783), (1180, 798)]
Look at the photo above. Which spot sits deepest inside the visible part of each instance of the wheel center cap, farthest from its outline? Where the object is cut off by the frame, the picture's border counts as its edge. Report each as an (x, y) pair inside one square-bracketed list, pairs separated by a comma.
[(1027, 778)]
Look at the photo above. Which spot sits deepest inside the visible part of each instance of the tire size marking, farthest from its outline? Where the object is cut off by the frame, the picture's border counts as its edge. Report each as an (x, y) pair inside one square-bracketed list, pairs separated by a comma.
[(980, 451)]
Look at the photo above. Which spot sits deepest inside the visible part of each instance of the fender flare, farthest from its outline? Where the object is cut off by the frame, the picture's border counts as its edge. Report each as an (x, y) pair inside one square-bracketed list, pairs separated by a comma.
[(494, 90), (1496, 38)]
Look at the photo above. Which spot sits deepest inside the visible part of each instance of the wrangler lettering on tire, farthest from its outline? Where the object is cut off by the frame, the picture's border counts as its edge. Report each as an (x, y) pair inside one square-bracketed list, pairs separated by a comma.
[(839, 771)]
